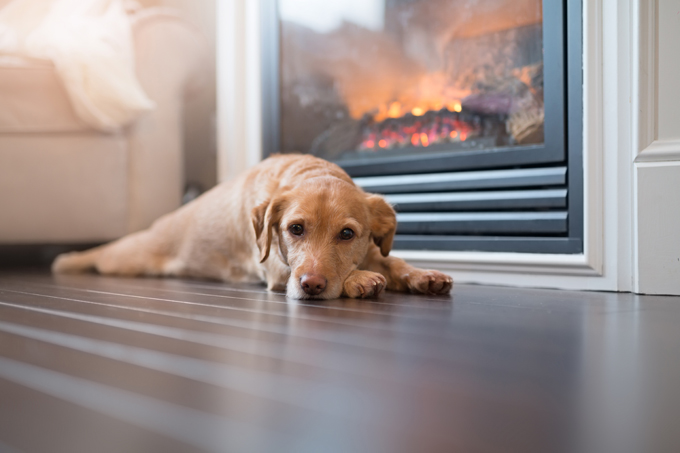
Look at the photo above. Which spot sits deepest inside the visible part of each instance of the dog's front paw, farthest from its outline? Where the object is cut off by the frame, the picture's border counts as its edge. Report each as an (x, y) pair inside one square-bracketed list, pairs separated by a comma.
[(429, 282), (363, 284)]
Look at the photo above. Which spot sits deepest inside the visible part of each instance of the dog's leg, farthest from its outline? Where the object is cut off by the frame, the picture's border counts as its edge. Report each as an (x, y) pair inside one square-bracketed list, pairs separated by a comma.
[(76, 262), (403, 277), (277, 274), (132, 256), (145, 253)]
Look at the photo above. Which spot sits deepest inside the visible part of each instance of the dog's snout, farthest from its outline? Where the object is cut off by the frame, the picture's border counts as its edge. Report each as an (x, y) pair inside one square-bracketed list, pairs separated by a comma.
[(313, 284)]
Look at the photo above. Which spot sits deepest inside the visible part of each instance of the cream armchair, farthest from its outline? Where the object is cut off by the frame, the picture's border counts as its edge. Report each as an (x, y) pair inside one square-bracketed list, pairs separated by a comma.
[(62, 182)]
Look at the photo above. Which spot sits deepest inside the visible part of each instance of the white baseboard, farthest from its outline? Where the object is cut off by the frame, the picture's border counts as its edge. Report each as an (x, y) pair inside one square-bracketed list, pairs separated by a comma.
[(572, 272), (513, 263)]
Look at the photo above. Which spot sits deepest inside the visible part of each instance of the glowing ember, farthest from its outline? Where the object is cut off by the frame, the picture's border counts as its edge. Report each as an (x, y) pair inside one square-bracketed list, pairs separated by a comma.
[(428, 129), (417, 111)]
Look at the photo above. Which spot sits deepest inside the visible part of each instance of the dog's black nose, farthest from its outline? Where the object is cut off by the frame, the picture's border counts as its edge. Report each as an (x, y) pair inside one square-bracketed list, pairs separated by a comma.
[(313, 284)]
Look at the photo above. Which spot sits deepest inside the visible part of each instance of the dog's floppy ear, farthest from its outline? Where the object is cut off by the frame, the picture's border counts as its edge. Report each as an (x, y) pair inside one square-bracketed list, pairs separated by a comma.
[(264, 217), (383, 223)]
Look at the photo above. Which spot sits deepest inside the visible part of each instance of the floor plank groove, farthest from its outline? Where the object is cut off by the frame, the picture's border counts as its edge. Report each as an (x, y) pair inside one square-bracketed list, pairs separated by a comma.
[(90, 363)]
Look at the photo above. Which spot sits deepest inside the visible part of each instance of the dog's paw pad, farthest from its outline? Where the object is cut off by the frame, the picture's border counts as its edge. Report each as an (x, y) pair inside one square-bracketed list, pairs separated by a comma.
[(429, 282), (364, 284)]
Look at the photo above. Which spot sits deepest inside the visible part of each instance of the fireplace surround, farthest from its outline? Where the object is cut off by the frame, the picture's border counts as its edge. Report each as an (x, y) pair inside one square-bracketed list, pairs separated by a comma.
[(631, 148), (490, 192)]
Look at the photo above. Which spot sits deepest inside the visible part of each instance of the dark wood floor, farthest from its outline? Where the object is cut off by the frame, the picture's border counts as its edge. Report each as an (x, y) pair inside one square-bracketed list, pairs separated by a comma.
[(94, 364)]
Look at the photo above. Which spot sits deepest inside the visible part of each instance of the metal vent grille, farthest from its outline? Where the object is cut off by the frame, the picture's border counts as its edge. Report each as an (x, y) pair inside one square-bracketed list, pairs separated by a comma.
[(475, 205)]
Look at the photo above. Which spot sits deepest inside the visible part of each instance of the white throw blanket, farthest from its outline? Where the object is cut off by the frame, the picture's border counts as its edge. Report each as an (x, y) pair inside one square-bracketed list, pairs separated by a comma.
[(91, 45)]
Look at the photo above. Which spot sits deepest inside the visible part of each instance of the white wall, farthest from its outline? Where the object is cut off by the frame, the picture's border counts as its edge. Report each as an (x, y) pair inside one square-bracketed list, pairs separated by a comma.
[(657, 165), (659, 228)]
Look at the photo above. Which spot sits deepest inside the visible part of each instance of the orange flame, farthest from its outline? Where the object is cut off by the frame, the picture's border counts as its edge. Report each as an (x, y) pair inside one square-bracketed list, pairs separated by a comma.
[(394, 110)]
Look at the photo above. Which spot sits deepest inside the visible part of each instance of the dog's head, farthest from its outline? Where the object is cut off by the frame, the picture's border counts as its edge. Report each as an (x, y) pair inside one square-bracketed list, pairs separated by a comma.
[(324, 228)]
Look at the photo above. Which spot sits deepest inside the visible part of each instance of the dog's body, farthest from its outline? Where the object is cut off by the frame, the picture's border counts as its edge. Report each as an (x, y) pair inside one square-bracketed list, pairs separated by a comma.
[(295, 222)]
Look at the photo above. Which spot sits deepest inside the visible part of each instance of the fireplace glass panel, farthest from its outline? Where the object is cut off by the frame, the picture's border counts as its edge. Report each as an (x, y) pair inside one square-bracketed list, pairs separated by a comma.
[(363, 78)]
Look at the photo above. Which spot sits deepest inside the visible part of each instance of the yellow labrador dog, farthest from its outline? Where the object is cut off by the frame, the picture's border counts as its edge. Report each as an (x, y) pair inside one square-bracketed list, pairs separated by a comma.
[(296, 222)]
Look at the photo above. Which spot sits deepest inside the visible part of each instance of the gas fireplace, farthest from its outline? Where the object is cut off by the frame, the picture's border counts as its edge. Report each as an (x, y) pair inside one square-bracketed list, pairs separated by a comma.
[(465, 114)]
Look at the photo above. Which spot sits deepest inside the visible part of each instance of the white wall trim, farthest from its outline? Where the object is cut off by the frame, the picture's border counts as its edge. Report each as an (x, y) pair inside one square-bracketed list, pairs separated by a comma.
[(645, 52), (230, 87), (660, 151), (594, 179), (644, 107), (645, 104), (619, 91), (239, 92)]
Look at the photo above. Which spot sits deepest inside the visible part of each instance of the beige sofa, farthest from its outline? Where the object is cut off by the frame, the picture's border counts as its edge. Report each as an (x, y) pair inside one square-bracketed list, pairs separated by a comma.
[(61, 181)]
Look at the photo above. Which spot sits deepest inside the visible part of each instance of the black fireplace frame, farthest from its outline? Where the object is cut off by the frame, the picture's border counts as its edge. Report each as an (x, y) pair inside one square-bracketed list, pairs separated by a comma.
[(563, 146)]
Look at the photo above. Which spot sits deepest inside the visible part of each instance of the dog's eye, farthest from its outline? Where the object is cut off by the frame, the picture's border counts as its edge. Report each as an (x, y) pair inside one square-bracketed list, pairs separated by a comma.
[(346, 234), (296, 229)]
